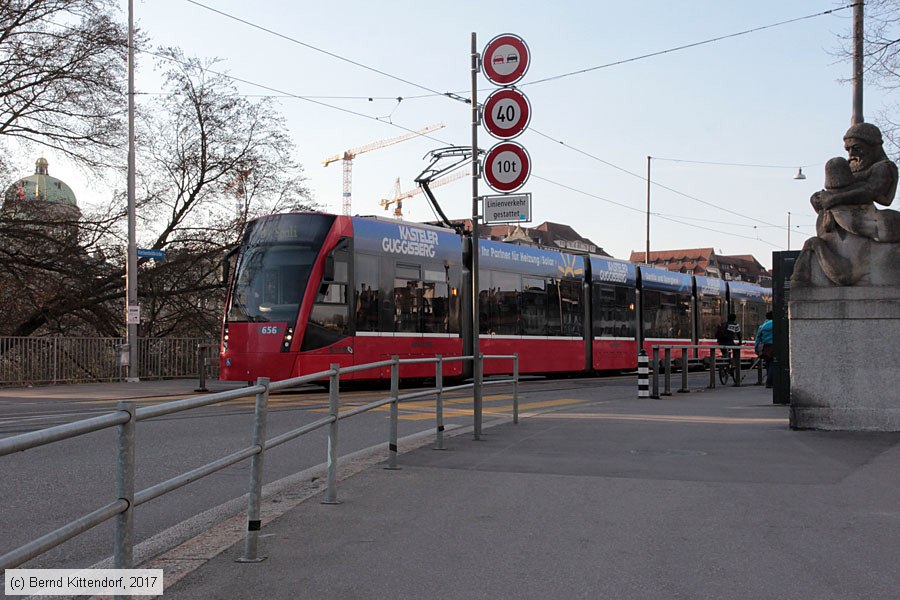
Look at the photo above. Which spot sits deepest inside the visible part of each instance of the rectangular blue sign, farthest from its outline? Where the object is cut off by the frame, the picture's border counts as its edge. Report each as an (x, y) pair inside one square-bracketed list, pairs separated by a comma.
[(150, 253), (665, 280), (741, 290), (406, 240), (529, 261), (710, 286), (609, 270)]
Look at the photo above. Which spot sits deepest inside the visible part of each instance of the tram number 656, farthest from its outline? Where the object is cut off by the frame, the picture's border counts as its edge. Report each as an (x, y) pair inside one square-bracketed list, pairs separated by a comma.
[(507, 166)]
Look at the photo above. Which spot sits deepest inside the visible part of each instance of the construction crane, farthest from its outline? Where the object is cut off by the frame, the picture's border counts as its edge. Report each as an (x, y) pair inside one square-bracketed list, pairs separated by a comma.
[(399, 196), (347, 157)]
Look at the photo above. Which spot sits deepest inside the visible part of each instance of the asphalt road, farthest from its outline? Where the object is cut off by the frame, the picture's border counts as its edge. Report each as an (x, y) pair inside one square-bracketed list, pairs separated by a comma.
[(44, 488)]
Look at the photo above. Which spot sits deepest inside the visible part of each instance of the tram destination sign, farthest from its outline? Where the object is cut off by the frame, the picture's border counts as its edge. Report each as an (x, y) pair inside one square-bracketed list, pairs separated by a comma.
[(506, 208)]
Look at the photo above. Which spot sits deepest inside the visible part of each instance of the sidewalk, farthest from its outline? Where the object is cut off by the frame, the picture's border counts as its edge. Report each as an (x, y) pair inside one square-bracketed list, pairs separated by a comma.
[(701, 495)]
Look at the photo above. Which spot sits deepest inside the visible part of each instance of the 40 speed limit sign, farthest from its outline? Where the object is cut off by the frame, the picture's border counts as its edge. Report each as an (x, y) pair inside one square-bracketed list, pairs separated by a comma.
[(506, 167), (507, 113)]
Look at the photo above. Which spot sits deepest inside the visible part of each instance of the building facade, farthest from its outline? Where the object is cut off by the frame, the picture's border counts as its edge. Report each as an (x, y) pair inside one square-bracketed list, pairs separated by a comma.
[(705, 262)]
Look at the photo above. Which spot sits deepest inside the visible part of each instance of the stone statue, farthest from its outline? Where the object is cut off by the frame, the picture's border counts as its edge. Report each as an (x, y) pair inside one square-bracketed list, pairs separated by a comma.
[(855, 243)]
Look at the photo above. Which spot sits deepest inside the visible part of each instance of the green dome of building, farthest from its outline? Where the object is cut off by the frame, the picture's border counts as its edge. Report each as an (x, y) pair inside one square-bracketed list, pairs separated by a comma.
[(41, 196), (40, 187)]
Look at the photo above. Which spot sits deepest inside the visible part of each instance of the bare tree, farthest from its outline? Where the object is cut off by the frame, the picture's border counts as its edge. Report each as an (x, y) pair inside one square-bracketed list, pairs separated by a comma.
[(209, 159), (61, 76), (881, 49), (55, 276)]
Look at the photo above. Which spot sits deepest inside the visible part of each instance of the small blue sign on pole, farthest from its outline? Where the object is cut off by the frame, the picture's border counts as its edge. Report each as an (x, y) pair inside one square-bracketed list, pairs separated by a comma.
[(150, 253)]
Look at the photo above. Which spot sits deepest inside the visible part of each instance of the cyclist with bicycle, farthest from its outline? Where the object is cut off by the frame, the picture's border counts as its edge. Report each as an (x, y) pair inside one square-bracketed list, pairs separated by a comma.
[(728, 333)]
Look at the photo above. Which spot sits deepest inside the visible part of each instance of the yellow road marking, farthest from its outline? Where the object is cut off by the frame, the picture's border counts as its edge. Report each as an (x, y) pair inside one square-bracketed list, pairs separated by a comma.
[(668, 418), (465, 412)]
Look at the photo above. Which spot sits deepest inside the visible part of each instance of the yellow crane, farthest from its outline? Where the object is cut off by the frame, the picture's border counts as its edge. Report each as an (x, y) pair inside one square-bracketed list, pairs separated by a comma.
[(399, 196), (347, 157)]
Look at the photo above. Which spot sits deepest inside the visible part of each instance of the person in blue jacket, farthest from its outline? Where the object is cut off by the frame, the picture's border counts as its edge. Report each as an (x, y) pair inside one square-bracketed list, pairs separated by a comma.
[(764, 346)]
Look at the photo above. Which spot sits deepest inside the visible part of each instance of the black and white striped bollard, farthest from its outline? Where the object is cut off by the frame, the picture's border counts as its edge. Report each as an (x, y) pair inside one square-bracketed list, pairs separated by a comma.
[(643, 375)]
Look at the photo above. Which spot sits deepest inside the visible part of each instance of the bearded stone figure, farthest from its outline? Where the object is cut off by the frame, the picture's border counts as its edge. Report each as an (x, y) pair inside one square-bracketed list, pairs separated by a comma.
[(856, 244)]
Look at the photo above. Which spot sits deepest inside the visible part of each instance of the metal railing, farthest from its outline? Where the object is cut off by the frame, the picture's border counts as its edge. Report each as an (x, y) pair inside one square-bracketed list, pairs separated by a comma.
[(128, 415), (49, 360), (733, 365)]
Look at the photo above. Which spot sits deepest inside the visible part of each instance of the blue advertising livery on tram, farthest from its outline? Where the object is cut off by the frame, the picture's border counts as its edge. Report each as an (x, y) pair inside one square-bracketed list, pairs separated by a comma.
[(306, 290)]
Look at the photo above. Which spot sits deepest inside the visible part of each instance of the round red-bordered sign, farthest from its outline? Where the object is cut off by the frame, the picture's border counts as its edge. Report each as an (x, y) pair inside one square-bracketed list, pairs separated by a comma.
[(506, 167), (505, 59), (507, 113)]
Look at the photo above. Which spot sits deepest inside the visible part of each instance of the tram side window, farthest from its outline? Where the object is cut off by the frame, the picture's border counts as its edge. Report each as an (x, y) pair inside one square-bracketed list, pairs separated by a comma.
[(407, 299), (571, 308), (328, 321), (666, 315), (435, 300), (499, 302), (534, 306), (613, 311), (711, 311), (750, 315), (367, 270)]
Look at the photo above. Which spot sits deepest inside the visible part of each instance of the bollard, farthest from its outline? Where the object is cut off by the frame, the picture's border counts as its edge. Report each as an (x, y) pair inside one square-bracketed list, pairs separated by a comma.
[(712, 368), (643, 375), (667, 388), (759, 370), (655, 367), (684, 371), (736, 358), (439, 403), (477, 396), (201, 366), (395, 394), (123, 552), (516, 388), (331, 491), (254, 497)]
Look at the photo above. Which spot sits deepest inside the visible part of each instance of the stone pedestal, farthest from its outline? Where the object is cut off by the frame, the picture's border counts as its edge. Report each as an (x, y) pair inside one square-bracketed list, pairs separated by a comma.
[(845, 358)]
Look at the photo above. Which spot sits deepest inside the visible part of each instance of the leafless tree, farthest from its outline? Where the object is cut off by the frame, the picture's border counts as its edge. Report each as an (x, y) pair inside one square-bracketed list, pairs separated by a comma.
[(881, 49), (62, 65), (209, 159)]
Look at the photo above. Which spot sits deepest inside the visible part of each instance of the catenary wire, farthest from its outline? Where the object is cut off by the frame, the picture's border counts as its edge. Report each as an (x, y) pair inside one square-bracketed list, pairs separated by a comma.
[(686, 46), (356, 113), (644, 178), (633, 59)]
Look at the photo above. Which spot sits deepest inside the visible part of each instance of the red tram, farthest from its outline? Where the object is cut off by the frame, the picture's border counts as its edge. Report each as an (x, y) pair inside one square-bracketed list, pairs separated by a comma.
[(310, 289)]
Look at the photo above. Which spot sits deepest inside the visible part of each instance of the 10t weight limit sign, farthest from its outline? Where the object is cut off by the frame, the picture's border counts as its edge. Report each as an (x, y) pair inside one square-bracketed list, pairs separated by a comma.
[(507, 167)]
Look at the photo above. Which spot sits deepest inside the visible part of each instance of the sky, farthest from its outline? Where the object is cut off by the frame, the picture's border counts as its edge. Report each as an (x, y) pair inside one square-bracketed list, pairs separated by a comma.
[(773, 98)]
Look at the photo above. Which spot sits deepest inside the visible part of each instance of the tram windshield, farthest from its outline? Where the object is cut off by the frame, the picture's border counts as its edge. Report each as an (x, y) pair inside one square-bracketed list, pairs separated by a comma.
[(274, 266)]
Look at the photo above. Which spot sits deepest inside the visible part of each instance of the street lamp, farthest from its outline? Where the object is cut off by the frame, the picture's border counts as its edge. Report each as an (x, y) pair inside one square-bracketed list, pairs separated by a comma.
[(798, 176)]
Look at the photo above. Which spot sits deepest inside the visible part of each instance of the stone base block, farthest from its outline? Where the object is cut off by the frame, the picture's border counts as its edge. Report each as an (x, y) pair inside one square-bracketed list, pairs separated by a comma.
[(845, 358)]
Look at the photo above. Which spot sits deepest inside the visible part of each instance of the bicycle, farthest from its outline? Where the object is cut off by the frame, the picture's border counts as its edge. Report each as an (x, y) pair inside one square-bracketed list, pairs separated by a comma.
[(726, 370)]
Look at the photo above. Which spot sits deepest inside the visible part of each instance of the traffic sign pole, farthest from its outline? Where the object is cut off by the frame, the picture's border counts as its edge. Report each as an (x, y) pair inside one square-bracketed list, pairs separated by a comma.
[(476, 364)]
